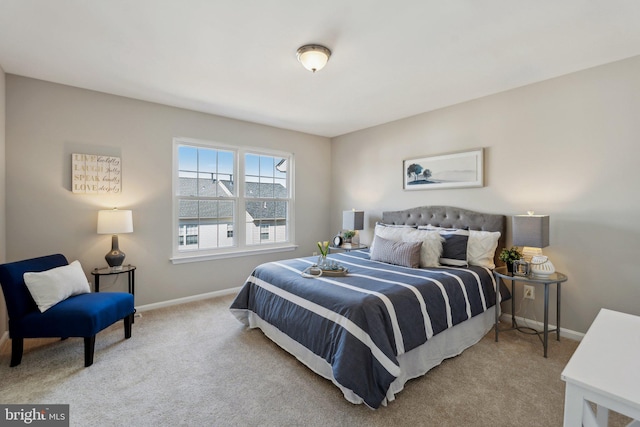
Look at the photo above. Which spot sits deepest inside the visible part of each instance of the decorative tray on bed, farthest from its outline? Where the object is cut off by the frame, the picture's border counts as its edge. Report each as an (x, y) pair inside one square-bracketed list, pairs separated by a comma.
[(340, 271), (330, 270)]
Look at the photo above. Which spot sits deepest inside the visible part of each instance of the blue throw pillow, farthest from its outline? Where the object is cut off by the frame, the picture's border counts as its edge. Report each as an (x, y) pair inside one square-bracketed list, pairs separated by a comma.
[(454, 247)]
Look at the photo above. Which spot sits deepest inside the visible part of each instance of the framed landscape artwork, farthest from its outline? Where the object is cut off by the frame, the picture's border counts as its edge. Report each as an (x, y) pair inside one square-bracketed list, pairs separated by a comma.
[(452, 170)]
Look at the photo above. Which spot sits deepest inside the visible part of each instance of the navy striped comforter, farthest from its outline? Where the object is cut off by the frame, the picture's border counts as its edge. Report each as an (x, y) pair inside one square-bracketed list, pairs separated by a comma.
[(361, 323)]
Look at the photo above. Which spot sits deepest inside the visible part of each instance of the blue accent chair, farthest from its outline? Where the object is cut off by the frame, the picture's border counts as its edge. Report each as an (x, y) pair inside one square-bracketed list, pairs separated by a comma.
[(78, 316)]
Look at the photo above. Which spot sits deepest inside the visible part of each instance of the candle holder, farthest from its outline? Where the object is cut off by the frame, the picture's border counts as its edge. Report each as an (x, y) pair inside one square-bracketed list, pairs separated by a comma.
[(521, 268)]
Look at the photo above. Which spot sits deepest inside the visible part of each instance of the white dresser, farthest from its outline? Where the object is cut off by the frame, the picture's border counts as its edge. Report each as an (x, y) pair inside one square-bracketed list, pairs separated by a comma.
[(605, 370)]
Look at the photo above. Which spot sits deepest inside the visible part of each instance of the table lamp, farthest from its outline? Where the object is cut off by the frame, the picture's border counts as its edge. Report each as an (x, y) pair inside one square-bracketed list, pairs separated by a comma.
[(115, 222), (532, 233), (353, 220)]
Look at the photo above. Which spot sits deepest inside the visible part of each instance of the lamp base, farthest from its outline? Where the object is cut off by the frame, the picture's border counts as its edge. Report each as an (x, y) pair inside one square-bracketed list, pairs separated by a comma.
[(528, 253), (115, 257)]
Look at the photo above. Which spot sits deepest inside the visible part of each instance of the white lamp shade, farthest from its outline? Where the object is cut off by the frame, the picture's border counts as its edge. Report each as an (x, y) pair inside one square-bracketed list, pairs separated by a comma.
[(353, 220), (115, 221), (313, 57)]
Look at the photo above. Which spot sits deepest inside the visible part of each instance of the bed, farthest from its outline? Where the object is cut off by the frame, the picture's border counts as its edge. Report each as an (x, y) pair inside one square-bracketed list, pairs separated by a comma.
[(382, 324)]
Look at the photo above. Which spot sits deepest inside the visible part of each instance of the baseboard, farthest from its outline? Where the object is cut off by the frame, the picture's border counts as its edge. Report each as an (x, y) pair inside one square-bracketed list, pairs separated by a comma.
[(566, 333), (184, 300)]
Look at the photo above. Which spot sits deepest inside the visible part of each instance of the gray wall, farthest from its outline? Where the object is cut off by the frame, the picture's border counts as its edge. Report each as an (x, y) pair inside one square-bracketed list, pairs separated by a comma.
[(47, 122), (566, 147)]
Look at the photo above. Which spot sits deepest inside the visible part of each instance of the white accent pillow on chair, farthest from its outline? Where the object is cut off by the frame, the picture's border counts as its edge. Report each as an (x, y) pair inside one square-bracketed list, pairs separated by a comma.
[(57, 284)]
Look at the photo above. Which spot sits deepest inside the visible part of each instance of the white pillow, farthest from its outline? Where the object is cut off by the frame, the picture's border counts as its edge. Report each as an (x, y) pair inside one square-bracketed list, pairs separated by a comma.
[(482, 248), (431, 241), (431, 249), (52, 286), (390, 232)]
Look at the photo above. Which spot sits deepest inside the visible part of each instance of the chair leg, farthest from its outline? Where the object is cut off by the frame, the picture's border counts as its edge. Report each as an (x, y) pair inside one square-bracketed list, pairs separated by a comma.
[(89, 346), (128, 320), (17, 346)]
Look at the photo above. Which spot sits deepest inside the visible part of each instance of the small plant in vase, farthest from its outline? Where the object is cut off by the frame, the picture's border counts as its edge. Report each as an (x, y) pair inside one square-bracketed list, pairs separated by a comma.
[(508, 256), (348, 235), (324, 251)]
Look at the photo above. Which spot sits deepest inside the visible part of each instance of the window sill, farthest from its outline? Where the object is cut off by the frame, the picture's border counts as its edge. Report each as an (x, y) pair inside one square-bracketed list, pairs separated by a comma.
[(197, 257)]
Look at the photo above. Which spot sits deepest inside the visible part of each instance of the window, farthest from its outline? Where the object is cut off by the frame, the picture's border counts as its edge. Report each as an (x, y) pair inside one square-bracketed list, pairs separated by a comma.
[(188, 234), (215, 213), (266, 199), (264, 232)]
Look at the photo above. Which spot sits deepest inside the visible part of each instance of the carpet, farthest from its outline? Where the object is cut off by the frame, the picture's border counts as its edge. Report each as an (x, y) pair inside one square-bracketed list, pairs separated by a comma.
[(196, 365)]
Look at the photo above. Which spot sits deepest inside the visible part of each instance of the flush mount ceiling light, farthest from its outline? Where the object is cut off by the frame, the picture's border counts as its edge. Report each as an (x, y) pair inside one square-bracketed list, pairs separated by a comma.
[(313, 57)]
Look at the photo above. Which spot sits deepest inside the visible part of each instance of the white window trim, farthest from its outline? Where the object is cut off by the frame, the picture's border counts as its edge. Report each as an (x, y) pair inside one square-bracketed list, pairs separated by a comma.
[(240, 249), (196, 257)]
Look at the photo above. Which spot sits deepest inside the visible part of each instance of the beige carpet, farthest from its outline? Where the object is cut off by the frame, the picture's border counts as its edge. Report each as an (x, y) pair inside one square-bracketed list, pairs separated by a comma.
[(196, 365)]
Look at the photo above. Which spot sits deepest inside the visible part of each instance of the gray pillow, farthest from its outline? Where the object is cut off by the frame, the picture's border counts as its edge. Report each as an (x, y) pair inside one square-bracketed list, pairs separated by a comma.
[(406, 254)]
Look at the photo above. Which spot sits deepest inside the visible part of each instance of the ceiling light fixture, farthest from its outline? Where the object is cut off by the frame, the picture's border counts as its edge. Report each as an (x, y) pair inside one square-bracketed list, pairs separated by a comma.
[(313, 57)]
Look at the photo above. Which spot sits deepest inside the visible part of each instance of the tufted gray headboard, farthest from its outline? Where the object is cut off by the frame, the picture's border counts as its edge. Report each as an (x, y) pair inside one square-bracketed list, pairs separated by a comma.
[(450, 217)]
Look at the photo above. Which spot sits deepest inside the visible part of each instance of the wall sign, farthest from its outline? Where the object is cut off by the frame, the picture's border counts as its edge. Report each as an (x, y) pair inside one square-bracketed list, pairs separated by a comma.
[(95, 174)]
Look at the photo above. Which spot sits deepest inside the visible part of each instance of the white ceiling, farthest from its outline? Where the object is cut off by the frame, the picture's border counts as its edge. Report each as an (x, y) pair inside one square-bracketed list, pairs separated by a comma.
[(236, 58)]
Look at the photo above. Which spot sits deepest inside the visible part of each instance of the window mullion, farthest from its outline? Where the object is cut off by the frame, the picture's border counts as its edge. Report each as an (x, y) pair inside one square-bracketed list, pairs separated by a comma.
[(240, 215)]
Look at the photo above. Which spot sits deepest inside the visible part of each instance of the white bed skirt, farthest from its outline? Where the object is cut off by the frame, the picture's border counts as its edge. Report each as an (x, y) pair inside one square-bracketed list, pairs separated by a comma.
[(413, 364)]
